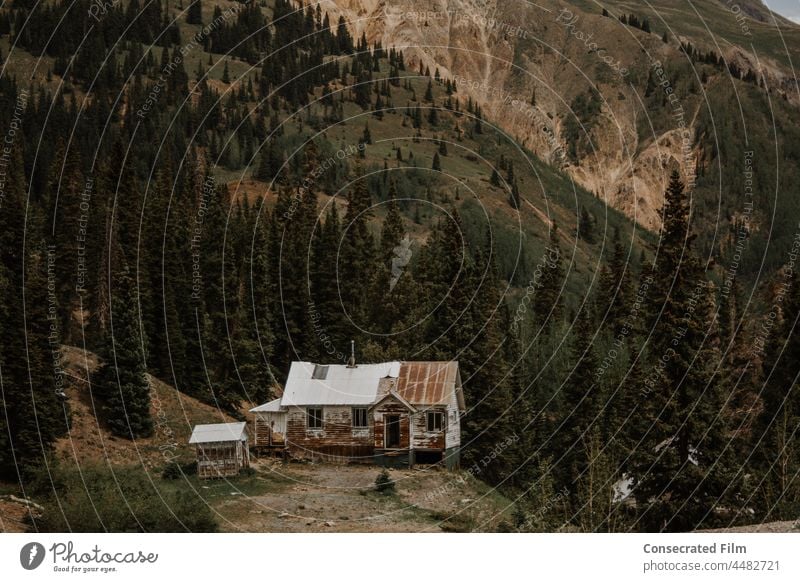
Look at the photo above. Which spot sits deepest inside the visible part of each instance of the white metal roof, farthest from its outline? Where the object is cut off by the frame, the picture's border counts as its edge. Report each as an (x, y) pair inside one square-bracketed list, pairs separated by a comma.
[(214, 433), (272, 406), (341, 385)]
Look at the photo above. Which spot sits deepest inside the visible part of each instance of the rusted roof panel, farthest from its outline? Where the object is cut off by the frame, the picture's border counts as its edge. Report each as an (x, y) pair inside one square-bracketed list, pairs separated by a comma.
[(427, 383)]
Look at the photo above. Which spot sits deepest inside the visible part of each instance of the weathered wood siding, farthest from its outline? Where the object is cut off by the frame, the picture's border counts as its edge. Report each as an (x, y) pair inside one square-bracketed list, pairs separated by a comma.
[(223, 459), (424, 439), (337, 441), (270, 429), (391, 408), (453, 434)]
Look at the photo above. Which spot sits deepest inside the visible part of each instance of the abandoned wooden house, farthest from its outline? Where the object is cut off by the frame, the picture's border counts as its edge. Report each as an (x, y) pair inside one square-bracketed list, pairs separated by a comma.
[(393, 413), (222, 449)]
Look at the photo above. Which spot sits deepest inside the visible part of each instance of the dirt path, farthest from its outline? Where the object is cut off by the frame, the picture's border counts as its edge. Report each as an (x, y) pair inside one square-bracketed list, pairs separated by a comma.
[(309, 498)]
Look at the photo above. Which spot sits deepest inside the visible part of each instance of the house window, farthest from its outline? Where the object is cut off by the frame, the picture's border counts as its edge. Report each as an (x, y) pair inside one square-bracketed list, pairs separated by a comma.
[(360, 418), (320, 372), (314, 418), (435, 421)]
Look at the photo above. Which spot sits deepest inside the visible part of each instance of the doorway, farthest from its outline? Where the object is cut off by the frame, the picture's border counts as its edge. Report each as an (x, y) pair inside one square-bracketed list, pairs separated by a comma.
[(392, 436)]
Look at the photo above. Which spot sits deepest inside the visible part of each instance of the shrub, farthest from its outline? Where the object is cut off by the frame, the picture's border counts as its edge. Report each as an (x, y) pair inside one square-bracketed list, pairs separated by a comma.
[(384, 482), (171, 472), (175, 471), (125, 500)]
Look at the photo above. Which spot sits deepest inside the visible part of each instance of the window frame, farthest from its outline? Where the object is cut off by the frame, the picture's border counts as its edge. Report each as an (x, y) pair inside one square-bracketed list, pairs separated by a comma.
[(432, 414), (311, 414), (358, 410)]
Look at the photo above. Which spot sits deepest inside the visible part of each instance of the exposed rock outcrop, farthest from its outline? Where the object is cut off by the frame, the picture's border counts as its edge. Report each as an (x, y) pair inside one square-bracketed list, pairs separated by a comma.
[(524, 63)]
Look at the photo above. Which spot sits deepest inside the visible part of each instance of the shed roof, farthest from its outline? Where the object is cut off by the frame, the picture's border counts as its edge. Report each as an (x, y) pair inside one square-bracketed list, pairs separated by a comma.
[(430, 383), (215, 433), (311, 384), (271, 406)]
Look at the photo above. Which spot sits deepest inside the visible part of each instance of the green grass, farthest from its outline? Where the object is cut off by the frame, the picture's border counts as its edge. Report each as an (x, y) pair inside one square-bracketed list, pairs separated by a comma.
[(709, 24)]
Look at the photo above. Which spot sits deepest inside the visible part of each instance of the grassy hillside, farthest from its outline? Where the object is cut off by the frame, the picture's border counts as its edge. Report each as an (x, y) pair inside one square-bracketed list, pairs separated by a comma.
[(715, 24), (89, 441)]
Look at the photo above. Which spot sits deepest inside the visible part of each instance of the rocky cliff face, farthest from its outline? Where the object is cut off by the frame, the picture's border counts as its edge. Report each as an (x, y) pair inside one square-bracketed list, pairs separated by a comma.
[(526, 63)]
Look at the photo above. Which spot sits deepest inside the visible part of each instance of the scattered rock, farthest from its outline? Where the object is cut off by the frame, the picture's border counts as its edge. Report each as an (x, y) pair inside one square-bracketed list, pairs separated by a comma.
[(328, 524), (283, 515), (301, 506)]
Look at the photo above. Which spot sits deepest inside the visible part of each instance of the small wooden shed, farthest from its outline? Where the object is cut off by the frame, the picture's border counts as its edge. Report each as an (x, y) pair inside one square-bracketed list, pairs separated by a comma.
[(222, 449)]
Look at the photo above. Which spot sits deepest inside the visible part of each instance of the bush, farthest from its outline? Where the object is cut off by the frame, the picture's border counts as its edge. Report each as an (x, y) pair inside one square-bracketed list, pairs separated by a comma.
[(175, 471), (384, 483), (123, 501), (171, 472)]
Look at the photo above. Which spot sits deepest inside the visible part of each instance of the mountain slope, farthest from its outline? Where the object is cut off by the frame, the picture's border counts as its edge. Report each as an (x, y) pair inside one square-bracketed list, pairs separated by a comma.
[(89, 441), (569, 53)]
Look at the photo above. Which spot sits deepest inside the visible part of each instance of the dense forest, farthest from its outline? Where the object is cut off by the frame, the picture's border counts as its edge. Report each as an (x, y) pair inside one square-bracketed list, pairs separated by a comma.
[(123, 230)]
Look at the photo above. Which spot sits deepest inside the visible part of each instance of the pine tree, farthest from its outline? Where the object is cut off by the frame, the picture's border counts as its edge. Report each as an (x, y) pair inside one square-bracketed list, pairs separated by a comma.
[(329, 322), (357, 251), (547, 299), (63, 217), (194, 14), (478, 341), (33, 413), (271, 163), (429, 92), (778, 452), (614, 289), (121, 381), (495, 179), (514, 197), (433, 115), (586, 227), (681, 469), (366, 136), (581, 406)]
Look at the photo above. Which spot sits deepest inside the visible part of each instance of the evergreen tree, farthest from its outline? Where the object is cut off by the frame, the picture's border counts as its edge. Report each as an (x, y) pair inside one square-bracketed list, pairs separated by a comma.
[(495, 179), (33, 413), (357, 251), (776, 433), (269, 168), (547, 300), (586, 226), (681, 469), (121, 382), (194, 14), (581, 406), (614, 288), (63, 216)]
